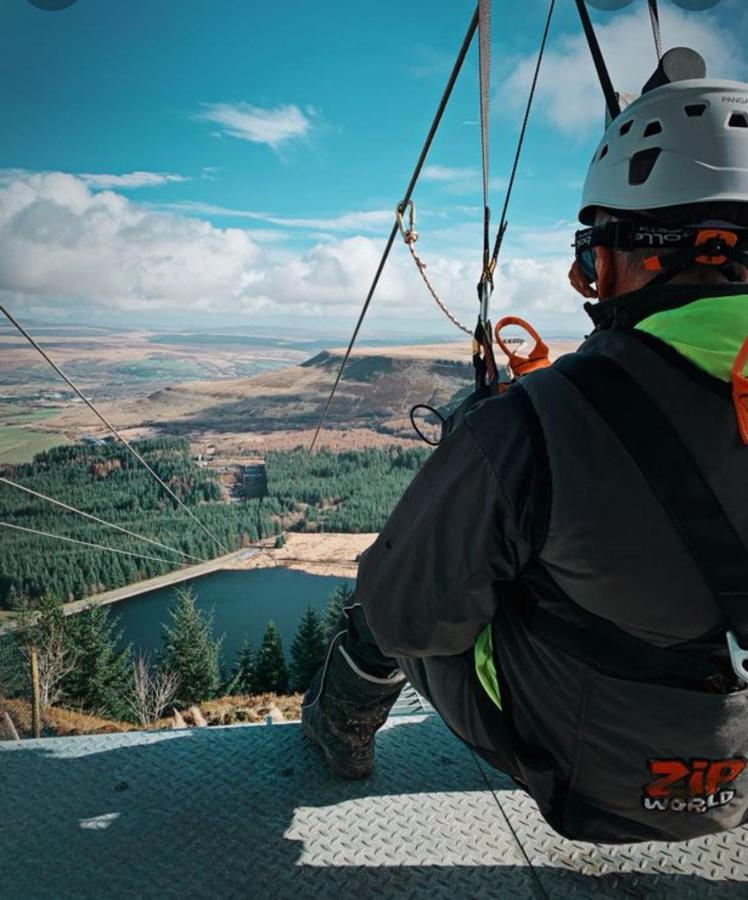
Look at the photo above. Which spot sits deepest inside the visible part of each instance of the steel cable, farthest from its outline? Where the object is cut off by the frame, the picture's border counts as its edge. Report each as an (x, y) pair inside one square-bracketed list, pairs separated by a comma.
[(109, 426), (484, 75), (403, 203), (484, 81), (611, 97), (69, 540), (520, 143), (80, 512), (654, 15)]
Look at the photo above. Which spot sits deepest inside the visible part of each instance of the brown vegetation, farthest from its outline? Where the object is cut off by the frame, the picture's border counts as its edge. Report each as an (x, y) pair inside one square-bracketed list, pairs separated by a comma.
[(235, 710), (243, 417), (251, 414), (61, 722), (327, 553)]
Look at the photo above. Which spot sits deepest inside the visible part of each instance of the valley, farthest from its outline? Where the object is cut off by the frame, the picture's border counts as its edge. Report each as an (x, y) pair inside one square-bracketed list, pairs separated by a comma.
[(233, 396)]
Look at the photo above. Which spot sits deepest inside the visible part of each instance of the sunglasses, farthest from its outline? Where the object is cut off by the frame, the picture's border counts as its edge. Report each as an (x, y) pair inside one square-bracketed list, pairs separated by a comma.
[(584, 251)]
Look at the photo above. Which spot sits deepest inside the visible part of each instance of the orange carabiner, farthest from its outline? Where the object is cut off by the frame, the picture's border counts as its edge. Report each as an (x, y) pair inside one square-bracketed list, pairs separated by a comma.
[(538, 356), (740, 390)]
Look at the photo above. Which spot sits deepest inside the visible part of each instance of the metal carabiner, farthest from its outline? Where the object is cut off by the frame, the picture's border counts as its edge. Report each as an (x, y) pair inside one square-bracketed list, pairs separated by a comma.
[(485, 289), (738, 656), (409, 234)]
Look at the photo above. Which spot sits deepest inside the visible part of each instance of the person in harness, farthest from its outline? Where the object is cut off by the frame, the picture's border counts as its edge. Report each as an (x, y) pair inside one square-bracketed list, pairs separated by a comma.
[(566, 579)]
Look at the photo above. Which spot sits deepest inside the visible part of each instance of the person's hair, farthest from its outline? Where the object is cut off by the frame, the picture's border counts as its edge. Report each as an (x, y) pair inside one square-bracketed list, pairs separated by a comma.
[(735, 214)]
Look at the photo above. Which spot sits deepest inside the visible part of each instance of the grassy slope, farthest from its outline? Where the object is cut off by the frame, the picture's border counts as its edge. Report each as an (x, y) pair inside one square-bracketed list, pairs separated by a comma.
[(61, 722)]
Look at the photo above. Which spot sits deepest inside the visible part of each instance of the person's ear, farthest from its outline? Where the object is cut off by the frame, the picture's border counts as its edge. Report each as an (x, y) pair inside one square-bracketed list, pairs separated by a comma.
[(607, 272), (580, 282)]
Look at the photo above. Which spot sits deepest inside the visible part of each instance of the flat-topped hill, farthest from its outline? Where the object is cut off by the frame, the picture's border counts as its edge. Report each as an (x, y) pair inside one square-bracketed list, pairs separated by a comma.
[(379, 387)]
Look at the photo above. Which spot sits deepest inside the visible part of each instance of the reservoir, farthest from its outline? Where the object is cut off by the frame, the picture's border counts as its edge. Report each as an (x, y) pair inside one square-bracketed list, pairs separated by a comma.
[(241, 603)]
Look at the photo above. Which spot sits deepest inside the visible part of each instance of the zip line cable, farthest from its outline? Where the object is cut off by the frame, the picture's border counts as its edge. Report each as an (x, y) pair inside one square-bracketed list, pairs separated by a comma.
[(484, 79), (654, 15), (409, 233), (520, 143), (611, 97), (401, 208), (69, 540), (484, 75), (80, 512), (109, 425)]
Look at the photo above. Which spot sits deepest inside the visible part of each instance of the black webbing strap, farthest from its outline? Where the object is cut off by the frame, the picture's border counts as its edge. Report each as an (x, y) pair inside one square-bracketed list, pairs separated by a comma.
[(610, 649), (674, 476), (654, 15), (611, 98)]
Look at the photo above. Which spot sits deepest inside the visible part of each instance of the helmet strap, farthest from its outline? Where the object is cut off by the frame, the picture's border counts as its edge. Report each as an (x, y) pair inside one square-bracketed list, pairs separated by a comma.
[(718, 247)]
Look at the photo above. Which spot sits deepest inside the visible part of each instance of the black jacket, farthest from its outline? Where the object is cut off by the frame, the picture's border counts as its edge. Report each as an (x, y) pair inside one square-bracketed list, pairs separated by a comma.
[(536, 492)]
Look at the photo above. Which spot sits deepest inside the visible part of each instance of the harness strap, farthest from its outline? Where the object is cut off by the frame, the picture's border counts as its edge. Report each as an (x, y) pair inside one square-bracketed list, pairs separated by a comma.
[(654, 15), (740, 391), (484, 79), (675, 478), (611, 97), (610, 649)]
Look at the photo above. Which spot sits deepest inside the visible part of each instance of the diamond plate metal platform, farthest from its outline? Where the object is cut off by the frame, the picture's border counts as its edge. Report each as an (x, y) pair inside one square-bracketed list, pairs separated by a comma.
[(249, 811)]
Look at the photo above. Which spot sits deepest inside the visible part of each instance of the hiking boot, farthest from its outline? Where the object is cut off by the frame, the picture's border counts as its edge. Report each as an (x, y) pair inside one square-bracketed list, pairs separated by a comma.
[(342, 710)]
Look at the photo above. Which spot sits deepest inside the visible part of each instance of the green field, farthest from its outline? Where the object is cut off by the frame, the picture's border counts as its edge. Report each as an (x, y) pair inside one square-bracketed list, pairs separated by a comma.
[(158, 367), (18, 445), (15, 414)]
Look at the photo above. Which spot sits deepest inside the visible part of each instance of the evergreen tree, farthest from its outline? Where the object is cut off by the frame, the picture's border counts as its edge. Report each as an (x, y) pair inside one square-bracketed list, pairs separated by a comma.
[(307, 650), (270, 673), (340, 597), (353, 491), (101, 679), (190, 650), (242, 678), (14, 675)]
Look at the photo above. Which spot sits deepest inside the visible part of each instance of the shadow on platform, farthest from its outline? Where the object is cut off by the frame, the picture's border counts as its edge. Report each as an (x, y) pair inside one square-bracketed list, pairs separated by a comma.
[(252, 812)]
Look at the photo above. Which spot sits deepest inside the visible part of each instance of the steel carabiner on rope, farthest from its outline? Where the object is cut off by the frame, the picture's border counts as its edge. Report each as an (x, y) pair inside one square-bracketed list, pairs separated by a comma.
[(409, 234)]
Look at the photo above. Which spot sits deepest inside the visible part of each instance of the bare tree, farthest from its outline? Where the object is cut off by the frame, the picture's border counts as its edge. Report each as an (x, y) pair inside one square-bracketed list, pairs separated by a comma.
[(153, 690), (44, 629), (56, 660)]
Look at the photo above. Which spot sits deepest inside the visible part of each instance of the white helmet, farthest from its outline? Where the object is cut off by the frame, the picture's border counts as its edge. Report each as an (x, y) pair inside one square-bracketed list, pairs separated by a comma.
[(682, 143)]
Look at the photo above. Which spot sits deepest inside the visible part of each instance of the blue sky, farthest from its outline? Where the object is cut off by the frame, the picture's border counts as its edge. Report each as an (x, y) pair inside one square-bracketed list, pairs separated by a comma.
[(228, 161)]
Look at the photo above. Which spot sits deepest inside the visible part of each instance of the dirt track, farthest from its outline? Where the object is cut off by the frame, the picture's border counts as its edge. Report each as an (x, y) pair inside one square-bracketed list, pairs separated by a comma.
[(318, 554)]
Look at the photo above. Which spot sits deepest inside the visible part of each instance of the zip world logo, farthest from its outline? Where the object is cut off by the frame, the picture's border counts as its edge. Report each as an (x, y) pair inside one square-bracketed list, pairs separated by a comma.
[(691, 786)]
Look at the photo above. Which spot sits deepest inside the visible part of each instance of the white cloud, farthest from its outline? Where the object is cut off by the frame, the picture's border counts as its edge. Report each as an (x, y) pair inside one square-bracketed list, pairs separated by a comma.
[(64, 246), (569, 94), (260, 126), (130, 180), (367, 220), (459, 180), (124, 181), (448, 173)]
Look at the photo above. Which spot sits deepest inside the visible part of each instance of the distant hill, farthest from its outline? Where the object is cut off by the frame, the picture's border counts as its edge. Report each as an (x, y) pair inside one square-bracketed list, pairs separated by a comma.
[(380, 386)]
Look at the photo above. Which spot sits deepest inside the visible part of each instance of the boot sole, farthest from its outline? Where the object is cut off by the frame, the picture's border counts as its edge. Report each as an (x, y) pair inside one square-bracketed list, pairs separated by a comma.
[(334, 765)]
